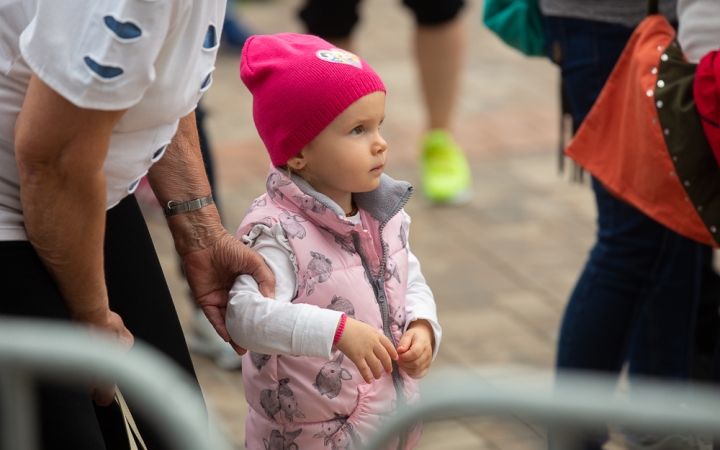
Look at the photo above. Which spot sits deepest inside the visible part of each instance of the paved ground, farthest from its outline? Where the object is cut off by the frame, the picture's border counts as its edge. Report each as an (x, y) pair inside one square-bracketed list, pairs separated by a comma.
[(501, 267)]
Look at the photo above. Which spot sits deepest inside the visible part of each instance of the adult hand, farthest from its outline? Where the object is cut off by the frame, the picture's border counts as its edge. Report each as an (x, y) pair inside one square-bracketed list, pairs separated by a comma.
[(211, 272), (111, 326)]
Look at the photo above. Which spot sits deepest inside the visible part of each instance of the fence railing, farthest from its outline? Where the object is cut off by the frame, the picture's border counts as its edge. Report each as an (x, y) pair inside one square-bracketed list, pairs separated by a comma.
[(32, 351), (156, 387), (574, 402)]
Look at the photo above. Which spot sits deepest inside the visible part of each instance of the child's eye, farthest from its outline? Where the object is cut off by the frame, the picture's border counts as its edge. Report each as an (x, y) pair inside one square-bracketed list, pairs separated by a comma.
[(357, 130)]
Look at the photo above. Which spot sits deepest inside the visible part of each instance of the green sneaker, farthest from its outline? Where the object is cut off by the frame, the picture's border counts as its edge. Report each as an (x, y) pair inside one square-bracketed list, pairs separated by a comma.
[(445, 171)]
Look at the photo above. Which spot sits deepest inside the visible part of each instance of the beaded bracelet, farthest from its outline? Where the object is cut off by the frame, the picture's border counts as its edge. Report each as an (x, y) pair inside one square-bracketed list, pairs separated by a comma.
[(340, 329)]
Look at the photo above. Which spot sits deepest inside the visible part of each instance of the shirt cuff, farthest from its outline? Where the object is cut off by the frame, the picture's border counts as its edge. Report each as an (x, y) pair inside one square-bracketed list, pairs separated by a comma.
[(314, 332)]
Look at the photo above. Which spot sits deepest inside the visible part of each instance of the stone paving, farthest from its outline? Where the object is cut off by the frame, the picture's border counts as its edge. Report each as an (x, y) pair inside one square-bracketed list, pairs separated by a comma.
[(501, 267)]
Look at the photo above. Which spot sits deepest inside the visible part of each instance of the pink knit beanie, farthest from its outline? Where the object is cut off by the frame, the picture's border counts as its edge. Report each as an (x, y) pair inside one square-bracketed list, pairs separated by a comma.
[(300, 83)]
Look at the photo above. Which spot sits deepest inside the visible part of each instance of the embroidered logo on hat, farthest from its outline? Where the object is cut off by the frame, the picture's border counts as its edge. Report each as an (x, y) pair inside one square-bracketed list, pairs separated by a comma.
[(339, 56)]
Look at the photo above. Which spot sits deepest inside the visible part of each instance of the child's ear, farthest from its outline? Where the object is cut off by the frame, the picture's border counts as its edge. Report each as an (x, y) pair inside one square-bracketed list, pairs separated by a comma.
[(299, 161)]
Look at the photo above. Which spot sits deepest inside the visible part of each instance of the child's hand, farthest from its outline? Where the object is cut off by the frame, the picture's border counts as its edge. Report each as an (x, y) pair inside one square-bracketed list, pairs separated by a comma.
[(415, 348), (369, 349)]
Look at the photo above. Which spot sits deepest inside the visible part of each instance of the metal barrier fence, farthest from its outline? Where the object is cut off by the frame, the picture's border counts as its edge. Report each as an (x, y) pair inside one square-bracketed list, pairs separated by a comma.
[(574, 402), (157, 389), (31, 351)]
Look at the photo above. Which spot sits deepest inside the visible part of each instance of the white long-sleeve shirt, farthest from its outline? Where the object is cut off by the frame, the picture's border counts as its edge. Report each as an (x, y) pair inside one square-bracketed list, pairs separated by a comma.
[(698, 30), (278, 326)]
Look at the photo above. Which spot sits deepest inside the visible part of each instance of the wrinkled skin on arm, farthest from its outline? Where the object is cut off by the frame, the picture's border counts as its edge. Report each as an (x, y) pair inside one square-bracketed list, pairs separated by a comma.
[(212, 258), (60, 149)]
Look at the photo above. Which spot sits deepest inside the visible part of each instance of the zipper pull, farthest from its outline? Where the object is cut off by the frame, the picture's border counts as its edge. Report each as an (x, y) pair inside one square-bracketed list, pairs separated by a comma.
[(380, 287)]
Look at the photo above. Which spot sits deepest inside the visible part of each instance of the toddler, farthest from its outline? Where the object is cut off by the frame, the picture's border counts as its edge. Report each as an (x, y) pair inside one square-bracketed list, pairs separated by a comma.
[(353, 325)]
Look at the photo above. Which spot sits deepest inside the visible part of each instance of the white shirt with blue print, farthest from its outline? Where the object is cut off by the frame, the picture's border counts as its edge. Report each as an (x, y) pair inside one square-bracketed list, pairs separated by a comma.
[(152, 57)]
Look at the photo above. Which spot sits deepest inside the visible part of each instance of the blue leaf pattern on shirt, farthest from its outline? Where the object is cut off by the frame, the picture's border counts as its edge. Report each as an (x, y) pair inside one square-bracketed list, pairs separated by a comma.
[(107, 72), (210, 38), (123, 30)]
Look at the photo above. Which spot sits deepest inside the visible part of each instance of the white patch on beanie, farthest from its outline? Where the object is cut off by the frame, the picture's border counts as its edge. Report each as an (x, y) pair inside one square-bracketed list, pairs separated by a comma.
[(339, 56)]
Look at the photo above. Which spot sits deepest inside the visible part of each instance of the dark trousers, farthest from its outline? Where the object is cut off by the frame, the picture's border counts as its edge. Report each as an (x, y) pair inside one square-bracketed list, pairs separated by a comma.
[(138, 293), (336, 18), (642, 281)]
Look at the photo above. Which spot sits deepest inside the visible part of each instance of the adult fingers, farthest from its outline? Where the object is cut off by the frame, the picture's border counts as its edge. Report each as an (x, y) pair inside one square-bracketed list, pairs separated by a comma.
[(217, 320), (254, 264), (103, 394), (116, 328), (265, 280), (239, 350)]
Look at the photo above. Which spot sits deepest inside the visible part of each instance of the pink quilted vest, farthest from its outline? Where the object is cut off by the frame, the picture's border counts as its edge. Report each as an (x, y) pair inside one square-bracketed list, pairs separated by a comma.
[(300, 402)]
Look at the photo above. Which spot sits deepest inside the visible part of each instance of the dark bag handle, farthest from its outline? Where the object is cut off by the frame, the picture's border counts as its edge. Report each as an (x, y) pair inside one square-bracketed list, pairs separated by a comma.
[(652, 7)]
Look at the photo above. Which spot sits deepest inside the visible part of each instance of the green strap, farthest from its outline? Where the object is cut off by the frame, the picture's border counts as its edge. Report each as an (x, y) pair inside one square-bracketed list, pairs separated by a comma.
[(132, 432)]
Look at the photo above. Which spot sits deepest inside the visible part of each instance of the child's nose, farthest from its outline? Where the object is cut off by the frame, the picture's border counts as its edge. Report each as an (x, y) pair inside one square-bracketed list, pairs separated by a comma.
[(380, 144)]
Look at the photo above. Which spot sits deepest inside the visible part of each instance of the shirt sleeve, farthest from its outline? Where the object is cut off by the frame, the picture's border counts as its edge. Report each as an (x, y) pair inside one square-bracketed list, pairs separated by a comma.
[(698, 32), (419, 300), (97, 54), (278, 326)]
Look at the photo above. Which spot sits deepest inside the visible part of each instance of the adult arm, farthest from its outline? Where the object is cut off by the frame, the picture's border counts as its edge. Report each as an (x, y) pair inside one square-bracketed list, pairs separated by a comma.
[(212, 258), (60, 149)]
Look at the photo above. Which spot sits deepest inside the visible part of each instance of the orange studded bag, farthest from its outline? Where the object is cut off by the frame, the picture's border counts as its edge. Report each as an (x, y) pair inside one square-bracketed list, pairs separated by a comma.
[(644, 139)]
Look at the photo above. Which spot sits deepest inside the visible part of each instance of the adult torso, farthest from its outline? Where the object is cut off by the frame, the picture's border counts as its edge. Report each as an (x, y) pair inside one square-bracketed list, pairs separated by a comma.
[(628, 13), (165, 49)]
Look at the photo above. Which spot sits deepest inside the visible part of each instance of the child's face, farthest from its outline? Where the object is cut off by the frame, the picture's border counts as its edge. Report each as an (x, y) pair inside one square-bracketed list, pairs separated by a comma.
[(349, 155)]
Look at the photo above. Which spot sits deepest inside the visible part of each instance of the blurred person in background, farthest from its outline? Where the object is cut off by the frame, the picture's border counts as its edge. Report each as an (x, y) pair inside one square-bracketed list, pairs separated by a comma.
[(234, 33), (638, 294), (439, 45)]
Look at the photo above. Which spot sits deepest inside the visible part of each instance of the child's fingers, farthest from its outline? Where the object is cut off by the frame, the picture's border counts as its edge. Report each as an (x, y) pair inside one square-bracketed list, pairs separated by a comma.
[(364, 371), (384, 358), (375, 366), (389, 347), (412, 354), (419, 375), (405, 342), (416, 364)]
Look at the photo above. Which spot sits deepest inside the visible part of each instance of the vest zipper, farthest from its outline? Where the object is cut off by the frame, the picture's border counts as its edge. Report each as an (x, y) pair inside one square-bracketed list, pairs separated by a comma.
[(378, 285)]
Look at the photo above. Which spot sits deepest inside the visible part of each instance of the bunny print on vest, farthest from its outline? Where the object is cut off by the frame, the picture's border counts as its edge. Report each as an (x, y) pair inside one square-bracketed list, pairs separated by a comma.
[(359, 269)]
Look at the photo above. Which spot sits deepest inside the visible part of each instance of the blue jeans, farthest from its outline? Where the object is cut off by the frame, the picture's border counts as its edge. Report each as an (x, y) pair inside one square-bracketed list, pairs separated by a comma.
[(638, 292)]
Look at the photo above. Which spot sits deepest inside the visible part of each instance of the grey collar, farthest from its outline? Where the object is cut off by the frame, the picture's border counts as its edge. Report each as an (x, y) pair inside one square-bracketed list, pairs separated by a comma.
[(382, 202)]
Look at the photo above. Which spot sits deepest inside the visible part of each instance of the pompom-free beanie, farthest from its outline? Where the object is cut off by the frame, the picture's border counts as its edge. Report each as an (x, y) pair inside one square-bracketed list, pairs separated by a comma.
[(300, 83)]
